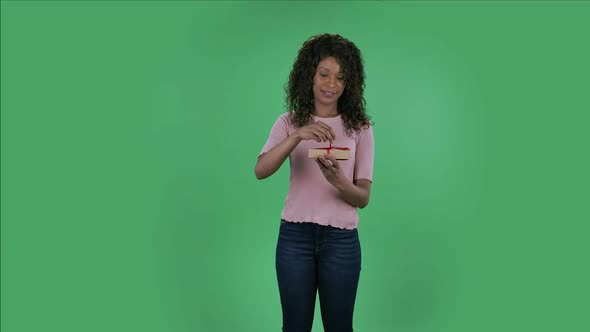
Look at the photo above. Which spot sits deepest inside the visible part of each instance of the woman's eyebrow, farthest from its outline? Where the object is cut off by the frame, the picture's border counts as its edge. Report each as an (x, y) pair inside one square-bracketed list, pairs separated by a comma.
[(340, 72)]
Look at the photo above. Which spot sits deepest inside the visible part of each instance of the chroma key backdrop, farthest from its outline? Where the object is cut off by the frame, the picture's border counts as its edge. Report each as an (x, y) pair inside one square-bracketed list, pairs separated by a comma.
[(130, 131)]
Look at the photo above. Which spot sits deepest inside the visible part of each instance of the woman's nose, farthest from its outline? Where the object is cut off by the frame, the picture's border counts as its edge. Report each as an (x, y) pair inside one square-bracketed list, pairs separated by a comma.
[(332, 82)]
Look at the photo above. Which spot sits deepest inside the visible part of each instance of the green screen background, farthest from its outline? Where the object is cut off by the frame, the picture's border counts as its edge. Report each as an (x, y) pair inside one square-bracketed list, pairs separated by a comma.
[(130, 131)]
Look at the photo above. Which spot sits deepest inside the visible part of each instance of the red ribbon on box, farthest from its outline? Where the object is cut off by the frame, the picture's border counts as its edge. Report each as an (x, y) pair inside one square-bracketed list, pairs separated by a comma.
[(328, 149)]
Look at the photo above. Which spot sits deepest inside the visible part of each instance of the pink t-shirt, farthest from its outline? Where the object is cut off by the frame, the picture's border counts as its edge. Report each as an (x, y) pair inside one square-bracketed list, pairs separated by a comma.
[(311, 198)]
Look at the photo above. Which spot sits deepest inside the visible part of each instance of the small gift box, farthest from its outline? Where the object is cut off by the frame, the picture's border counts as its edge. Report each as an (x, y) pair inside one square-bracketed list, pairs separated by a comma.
[(338, 152)]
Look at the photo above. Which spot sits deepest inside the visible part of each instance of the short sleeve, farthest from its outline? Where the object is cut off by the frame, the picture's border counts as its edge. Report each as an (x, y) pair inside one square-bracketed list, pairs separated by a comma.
[(363, 166), (278, 133)]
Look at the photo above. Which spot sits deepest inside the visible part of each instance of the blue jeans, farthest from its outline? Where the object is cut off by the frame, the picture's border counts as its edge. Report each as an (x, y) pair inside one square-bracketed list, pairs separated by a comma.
[(310, 258)]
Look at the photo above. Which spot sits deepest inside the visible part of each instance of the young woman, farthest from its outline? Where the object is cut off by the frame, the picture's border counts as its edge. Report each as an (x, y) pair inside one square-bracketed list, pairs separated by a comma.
[(318, 248)]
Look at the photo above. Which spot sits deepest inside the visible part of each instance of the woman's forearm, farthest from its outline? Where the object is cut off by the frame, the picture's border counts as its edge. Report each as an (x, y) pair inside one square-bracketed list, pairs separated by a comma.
[(271, 161), (352, 193)]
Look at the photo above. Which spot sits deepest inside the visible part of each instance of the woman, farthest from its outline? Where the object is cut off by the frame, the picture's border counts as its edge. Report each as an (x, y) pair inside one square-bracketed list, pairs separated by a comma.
[(318, 247)]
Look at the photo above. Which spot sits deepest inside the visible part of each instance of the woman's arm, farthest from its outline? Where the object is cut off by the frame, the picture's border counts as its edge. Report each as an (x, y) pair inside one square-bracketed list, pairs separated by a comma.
[(268, 163), (356, 194)]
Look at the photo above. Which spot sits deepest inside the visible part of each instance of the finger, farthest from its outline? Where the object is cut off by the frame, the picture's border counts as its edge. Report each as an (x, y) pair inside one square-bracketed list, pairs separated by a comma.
[(327, 161), (326, 133), (324, 161), (334, 161), (316, 136), (332, 132), (320, 134), (322, 166), (329, 131)]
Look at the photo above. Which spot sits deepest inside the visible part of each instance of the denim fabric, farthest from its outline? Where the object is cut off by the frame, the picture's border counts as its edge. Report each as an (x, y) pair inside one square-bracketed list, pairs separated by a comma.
[(309, 258)]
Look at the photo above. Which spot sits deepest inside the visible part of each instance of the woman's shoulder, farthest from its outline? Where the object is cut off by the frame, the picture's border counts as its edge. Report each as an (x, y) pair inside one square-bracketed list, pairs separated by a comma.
[(285, 115), (286, 118), (283, 120), (363, 131)]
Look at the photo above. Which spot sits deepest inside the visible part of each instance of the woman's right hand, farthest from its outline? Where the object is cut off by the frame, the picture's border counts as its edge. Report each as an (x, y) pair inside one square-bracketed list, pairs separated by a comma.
[(318, 131)]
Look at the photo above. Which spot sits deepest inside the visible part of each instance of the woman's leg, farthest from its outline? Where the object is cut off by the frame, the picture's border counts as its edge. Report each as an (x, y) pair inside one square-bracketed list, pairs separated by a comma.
[(296, 274), (339, 266)]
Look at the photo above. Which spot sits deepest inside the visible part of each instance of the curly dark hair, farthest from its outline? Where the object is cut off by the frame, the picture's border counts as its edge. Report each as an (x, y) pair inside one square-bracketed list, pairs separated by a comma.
[(299, 88)]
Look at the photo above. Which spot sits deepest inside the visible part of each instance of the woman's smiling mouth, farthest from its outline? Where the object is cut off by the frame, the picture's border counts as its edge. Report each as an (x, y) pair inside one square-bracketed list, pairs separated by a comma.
[(328, 94)]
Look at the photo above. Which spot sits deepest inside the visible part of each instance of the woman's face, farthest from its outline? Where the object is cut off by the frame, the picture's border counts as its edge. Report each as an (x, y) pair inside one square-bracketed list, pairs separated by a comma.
[(328, 82)]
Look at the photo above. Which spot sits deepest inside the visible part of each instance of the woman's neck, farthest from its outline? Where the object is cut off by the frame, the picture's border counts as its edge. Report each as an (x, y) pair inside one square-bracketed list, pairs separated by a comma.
[(325, 111)]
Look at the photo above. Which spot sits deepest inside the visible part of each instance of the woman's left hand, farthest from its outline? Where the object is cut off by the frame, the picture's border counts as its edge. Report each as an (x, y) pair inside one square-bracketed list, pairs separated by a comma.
[(331, 168)]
